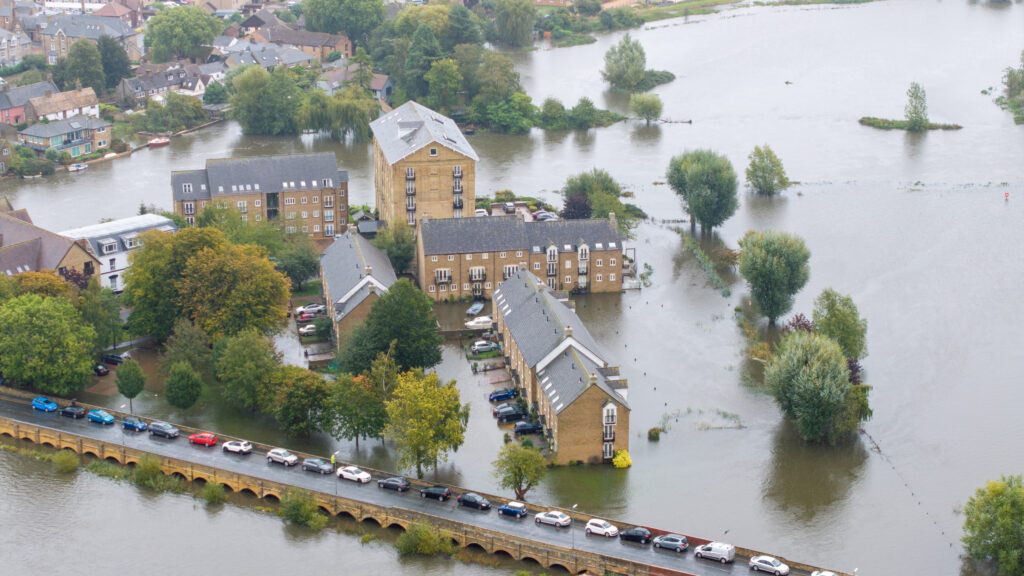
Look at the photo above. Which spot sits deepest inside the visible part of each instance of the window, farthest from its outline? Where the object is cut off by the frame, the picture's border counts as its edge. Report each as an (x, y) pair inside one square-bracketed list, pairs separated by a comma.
[(568, 279), (316, 213), (102, 144), (431, 287), (316, 199), (304, 200), (457, 213), (410, 218), (410, 202), (410, 188), (190, 208), (444, 287), (487, 285), (433, 258), (190, 220), (289, 215), (609, 450), (465, 287), (112, 264), (289, 201), (433, 151), (410, 173), (328, 215), (131, 243), (257, 203), (451, 258), (476, 274), (536, 265), (519, 253), (305, 214), (568, 264), (302, 184), (245, 217), (484, 256), (305, 229), (243, 206), (290, 229), (259, 217), (611, 261), (469, 256), (502, 255), (600, 262), (611, 277), (609, 414), (599, 278), (316, 228), (455, 287), (328, 229), (552, 253), (584, 252), (328, 201), (457, 171), (442, 275)]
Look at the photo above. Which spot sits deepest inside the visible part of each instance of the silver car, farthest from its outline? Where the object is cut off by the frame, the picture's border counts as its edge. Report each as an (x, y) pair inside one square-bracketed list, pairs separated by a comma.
[(282, 456), (768, 564)]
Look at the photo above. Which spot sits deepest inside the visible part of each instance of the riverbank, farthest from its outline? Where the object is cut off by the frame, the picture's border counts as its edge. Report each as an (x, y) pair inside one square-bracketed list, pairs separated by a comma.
[(884, 124)]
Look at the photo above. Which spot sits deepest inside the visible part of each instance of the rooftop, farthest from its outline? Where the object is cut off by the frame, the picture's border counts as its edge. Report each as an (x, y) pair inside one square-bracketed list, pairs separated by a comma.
[(58, 127), (62, 101), (226, 176), (497, 233), (412, 126), (352, 266)]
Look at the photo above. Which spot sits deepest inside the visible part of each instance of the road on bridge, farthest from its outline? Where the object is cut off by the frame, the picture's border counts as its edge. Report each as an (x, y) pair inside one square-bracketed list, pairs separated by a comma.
[(256, 465)]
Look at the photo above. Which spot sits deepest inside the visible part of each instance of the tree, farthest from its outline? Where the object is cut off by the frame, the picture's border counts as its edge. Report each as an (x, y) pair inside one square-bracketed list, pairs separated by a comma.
[(190, 344), (85, 66), (130, 381), (360, 17), (426, 420), (583, 115), (323, 15), (810, 381), (587, 7), (359, 403), (43, 283), (993, 526), (646, 106), (266, 103), (625, 64), (244, 365), (836, 316), (114, 59), (300, 402), (215, 93), (576, 207), (399, 243), (514, 20), (298, 260), (707, 185), (602, 194), (100, 309), (183, 32), (519, 468), (463, 28), (229, 221), (444, 82), (422, 53), (183, 386), (514, 115), (774, 265), (765, 173), (45, 344), (553, 115), (916, 110)]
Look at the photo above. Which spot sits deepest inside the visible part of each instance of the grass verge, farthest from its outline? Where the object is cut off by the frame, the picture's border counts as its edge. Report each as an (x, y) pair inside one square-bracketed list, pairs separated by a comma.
[(886, 124)]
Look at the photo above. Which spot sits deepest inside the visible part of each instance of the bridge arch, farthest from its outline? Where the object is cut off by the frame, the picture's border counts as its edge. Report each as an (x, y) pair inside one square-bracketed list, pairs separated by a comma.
[(113, 457), (248, 491), (396, 524), (503, 552), (475, 547), (48, 443), (371, 519), (345, 514), (272, 496), (530, 559), (557, 565)]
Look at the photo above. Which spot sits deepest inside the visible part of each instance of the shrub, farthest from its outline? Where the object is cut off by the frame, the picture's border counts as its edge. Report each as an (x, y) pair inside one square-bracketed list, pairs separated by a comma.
[(423, 539), (148, 472), (52, 154), (118, 145), (654, 434), (299, 507), (65, 461), (108, 470), (622, 459), (214, 493)]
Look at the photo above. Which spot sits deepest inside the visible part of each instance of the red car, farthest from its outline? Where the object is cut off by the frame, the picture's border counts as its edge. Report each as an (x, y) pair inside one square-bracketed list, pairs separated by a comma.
[(204, 438)]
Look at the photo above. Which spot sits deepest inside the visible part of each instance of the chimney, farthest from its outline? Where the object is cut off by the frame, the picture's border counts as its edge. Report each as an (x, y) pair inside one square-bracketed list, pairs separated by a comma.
[(593, 379), (368, 271), (613, 222), (568, 331)]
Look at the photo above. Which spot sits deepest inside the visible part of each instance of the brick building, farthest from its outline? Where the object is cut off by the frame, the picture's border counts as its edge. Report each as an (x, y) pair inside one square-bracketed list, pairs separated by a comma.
[(113, 243), (354, 274), (78, 136), (469, 257), (63, 105), (25, 247), (307, 192), (13, 99), (422, 166), (317, 44), (561, 371)]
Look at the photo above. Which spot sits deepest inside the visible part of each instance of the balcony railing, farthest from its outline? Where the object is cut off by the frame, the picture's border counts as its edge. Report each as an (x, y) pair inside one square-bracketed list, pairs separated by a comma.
[(457, 203), (457, 188), (582, 267), (608, 436)]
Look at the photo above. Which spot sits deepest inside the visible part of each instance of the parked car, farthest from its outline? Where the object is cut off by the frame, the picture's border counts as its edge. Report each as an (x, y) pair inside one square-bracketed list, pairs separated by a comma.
[(306, 317), (307, 330), (317, 465), (396, 483), (238, 447), (441, 493), (638, 534), (528, 428), (311, 309), (479, 323), (504, 407), (100, 370), (204, 438), (768, 564), (100, 417), (509, 207), (489, 335), (601, 528), (716, 551), (354, 474), (75, 412), (162, 429), (481, 212), (547, 217), (282, 456), (556, 518), (481, 346), (114, 359), (44, 404), (503, 394), (674, 542), (517, 509), (511, 416), (475, 309), (471, 500), (134, 424)]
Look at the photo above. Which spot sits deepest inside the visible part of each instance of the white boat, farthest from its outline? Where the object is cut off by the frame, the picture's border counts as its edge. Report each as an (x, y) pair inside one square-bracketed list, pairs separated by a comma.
[(77, 167), (479, 323), (155, 142)]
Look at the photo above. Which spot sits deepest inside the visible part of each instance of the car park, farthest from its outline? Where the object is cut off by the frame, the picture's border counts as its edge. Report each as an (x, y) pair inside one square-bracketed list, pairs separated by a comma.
[(100, 417), (555, 518), (114, 359), (73, 411), (528, 428), (44, 404), (768, 564), (354, 474), (441, 493), (472, 500), (317, 465), (100, 370), (475, 309), (637, 534), (674, 542), (517, 509), (481, 346), (503, 394), (204, 438), (601, 528), (134, 424), (307, 330), (396, 483), (164, 429), (282, 456), (238, 447), (716, 551)]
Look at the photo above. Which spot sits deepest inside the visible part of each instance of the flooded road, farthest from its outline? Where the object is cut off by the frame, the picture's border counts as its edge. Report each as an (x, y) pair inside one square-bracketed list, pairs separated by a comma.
[(915, 228)]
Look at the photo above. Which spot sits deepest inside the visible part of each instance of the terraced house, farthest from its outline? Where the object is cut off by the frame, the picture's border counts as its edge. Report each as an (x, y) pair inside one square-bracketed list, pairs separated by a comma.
[(78, 136), (354, 274), (469, 257), (306, 191), (561, 371)]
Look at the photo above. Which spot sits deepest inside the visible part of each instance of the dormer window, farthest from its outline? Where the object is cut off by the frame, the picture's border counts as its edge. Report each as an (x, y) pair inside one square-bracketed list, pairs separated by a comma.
[(584, 252), (609, 414), (186, 188)]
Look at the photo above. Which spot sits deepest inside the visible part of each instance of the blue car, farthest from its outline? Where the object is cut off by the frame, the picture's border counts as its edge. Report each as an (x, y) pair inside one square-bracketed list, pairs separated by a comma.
[(45, 404), (517, 509), (133, 423), (503, 394), (100, 416)]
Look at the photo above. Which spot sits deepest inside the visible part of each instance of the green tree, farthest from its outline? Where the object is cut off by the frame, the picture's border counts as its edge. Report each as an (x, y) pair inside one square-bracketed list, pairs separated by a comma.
[(423, 51), (183, 386), (115, 62), (266, 103), (298, 260), (236, 231), (130, 381), (765, 174), (426, 420), (215, 93), (399, 243), (302, 401), (587, 7), (444, 82), (323, 15), (463, 28), (514, 20), (583, 115), (188, 343), (85, 66), (837, 317), (646, 106), (360, 17), (625, 64), (553, 115), (45, 344), (774, 265), (100, 309), (810, 381), (602, 194), (245, 365), (994, 524), (706, 182), (359, 403), (916, 110), (183, 32), (519, 468), (514, 115)]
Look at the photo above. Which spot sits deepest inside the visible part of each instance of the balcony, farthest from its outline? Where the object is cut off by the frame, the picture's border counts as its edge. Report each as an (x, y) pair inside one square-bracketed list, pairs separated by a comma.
[(552, 269), (582, 267), (457, 188), (457, 171), (608, 436), (410, 174), (457, 203), (477, 275)]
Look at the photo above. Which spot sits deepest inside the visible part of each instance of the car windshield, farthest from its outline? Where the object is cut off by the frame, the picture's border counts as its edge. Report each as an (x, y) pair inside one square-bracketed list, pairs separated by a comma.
[(774, 562)]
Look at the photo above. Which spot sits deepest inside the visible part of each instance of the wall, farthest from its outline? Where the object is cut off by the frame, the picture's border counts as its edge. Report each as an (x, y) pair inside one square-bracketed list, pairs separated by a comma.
[(434, 183)]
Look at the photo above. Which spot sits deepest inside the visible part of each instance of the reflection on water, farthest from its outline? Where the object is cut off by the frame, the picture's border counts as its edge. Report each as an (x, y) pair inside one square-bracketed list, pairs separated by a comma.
[(605, 488), (645, 135)]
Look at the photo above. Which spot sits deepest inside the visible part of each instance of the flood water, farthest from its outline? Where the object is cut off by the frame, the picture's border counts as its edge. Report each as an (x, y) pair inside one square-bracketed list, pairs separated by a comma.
[(916, 228)]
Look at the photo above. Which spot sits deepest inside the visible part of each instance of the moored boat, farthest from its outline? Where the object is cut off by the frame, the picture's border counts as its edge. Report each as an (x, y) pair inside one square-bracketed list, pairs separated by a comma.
[(77, 167), (155, 142)]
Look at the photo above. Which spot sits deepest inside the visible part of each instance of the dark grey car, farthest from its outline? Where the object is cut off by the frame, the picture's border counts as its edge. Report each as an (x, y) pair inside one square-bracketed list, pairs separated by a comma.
[(674, 542), (317, 465), (162, 429)]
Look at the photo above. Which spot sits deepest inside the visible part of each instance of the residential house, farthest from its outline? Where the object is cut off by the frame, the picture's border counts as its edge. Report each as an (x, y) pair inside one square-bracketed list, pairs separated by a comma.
[(260, 19), (307, 191), (141, 87), (336, 79), (7, 16), (354, 273), (63, 105), (192, 86), (561, 371), (6, 149), (131, 18), (114, 242), (25, 247), (78, 135), (422, 166), (13, 46), (470, 257), (266, 56), (14, 98), (214, 6), (316, 44), (62, 30)]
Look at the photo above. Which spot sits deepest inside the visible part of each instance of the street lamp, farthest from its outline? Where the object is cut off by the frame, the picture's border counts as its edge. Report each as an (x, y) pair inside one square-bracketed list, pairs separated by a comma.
[(572, 525)]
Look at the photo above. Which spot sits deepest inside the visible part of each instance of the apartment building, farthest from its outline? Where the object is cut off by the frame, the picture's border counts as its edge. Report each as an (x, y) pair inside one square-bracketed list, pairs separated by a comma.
[(113, 243)]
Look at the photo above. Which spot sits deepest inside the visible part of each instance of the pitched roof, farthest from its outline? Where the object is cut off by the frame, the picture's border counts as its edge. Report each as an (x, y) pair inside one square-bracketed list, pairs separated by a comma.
[(29, 247), (352, 266), (172, 77), (20, 95), (266, 54), (339, 76), (58, 127), (62, 101), (226, 176), (113, 9), (87, 26), (497, 233), (412, 126), (119, 231), (285, 35), (261, 18)]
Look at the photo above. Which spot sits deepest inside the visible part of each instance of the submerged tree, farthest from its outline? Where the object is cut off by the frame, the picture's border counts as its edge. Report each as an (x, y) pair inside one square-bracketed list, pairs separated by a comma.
[(994, 524), (625, 64), (775, 267), (765, 174), (706, 182), (916, 110)]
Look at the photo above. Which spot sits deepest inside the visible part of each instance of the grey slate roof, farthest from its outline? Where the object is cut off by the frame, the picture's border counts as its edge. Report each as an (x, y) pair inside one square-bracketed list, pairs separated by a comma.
[(20, 95), (87, 26), (119, 230), (567, 377), (412, 126), (266, 55), (58, 127), (157, 80), (344, 266), (497, 233), (257, 174), (29, 247)]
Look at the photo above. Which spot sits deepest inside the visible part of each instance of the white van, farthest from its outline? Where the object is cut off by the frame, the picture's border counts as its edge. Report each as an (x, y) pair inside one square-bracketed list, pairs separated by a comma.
[(716, 551)]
